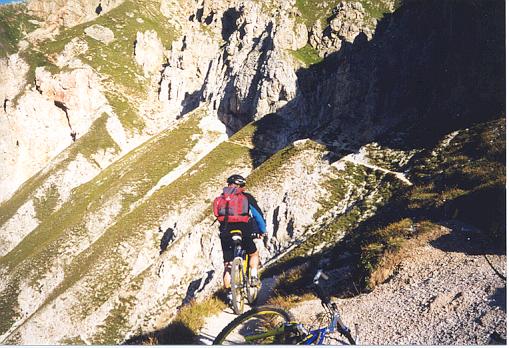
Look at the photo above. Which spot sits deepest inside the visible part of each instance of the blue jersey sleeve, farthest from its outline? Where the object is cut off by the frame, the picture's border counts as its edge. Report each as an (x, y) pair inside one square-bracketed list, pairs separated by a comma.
[(258, 218)]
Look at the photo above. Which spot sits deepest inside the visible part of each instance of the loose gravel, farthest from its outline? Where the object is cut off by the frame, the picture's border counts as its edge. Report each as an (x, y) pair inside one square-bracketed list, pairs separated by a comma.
[(444, 293)]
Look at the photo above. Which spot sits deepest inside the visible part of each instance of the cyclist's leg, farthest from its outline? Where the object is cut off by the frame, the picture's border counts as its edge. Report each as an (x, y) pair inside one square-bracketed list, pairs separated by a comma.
[(227, 276), (254, 261), (250, 248), (227, 247)]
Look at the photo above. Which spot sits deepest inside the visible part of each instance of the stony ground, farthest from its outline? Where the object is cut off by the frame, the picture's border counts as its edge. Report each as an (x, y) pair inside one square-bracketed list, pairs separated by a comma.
[(444, 293)]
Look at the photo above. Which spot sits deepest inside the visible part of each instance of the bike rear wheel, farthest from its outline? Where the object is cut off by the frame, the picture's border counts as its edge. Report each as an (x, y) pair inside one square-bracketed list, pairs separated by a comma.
[(261, 325), (237, 284)]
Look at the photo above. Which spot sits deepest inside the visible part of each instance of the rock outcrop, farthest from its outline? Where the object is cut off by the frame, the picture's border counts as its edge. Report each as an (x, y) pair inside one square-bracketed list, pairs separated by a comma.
[(47, 119), (70, 13), (348, 20), (13, 70), (149, 52)]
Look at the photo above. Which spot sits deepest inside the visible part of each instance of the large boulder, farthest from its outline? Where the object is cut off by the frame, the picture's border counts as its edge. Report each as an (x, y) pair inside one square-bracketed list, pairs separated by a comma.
[(149, 52), (100, 33)]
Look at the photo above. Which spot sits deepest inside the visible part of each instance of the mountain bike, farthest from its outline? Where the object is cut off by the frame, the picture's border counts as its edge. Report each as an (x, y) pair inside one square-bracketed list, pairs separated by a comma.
[(241, 289), (274, 325)]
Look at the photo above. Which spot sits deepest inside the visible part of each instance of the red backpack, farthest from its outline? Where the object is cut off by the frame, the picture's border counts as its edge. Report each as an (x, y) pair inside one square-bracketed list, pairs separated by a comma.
[(232, 206)]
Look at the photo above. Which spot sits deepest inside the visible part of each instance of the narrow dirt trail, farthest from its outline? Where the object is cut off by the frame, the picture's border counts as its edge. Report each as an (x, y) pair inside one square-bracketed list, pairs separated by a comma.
[(216, 323), (361, 160)]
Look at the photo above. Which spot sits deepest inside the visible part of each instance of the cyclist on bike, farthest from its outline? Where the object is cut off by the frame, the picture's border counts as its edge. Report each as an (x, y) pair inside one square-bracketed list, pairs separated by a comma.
[(236, 209)]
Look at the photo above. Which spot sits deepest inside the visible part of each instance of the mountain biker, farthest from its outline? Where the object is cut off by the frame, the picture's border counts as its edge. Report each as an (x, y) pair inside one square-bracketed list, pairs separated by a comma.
[(244, 215)]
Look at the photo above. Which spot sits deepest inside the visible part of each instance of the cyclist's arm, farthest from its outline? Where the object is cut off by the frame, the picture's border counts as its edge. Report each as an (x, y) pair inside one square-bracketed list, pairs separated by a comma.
[(258, 218), (256, 212)]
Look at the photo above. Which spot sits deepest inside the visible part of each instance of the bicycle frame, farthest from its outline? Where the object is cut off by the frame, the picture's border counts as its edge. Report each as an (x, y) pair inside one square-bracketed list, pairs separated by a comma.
[(315, 336), (318, 335), (239, 252)]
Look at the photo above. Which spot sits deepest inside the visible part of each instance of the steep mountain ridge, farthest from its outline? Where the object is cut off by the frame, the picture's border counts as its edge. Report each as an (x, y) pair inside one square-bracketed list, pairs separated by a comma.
[(81, 240)]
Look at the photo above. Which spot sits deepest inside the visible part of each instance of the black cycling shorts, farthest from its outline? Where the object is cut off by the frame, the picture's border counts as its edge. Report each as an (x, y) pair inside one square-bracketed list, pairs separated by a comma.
[(226, 241)]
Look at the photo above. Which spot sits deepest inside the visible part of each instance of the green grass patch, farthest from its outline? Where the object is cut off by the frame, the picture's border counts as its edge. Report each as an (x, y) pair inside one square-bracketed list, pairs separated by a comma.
[(271, 170), (115, 326), (313, 10), (385, 247), (307, 55), (125, 112), (45, 206), (14, 24), (184, 328), (95, 140), (8, 309), (377, 8)]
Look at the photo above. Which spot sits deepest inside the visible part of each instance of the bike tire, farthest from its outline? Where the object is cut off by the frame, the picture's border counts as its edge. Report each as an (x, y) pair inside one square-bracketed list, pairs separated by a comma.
[(251, 292), (237, 285), (255, 321)]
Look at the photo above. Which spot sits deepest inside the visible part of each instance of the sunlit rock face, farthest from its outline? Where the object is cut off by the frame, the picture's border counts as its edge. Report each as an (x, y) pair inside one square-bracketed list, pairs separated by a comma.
[(70, 13)]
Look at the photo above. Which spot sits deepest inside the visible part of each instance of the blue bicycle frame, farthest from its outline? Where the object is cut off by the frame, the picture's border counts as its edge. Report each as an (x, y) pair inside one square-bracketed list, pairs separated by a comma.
[(319, 335)]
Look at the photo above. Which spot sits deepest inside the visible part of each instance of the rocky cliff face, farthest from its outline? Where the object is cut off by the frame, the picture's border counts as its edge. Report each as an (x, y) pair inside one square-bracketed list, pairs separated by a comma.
[(126, 126), (69, 13)]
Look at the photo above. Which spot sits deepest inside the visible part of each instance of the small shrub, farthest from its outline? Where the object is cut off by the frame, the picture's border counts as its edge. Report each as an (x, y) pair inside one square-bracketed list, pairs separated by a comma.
[(393, 243), (184, 328)]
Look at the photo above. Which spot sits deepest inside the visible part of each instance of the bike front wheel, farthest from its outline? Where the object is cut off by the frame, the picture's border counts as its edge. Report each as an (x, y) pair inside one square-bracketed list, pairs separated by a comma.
[(237, 285), (260, 325), (252, 292)]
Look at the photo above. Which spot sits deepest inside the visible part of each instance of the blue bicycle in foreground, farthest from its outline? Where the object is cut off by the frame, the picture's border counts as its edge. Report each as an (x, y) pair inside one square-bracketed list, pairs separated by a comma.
[(274, 325)]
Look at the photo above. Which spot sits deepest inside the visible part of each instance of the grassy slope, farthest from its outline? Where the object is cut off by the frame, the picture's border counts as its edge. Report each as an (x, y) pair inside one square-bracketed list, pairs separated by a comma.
[(115, 62), (96, 139), (101, 260), (463, 179), (134, 174), (313, 10), (129, 230)]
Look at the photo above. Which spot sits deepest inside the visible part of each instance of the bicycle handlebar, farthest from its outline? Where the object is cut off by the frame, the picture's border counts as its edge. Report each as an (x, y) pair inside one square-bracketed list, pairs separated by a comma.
[(320, 274), (326, 302), (318, 288)]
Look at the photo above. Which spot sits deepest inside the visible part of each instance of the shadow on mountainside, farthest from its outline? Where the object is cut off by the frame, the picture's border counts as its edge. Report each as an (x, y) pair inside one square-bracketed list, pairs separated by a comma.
[(468, 240), (431, 67)]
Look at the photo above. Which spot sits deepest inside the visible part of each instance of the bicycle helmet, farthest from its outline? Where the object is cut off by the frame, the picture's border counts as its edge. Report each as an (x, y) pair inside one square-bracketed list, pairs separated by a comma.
[(236, 179)]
